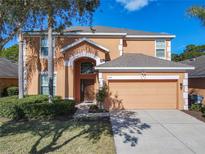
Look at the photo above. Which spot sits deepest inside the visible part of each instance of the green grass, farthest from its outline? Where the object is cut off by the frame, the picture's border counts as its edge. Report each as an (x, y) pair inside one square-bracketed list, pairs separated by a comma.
[(57, 136)]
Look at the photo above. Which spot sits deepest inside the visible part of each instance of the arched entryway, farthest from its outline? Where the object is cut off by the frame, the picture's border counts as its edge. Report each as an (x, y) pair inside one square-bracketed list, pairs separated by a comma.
[(84, 79)]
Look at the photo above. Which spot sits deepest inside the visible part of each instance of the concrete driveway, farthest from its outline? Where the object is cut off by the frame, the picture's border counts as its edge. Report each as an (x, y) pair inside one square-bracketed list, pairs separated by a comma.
[(157, 132)]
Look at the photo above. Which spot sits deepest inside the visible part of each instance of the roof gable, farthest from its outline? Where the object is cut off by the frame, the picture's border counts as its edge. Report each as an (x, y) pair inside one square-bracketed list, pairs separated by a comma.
[(83, 40)]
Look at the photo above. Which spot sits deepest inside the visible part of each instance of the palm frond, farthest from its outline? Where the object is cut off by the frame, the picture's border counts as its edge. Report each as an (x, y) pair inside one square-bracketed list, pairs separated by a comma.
[(197, 11)]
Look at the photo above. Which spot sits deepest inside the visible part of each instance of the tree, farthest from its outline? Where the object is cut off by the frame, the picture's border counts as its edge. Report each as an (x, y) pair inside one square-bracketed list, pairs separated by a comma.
[(176, 57), (199, 12), (30, 14), (14, 15), (59, 15), (20, 65), (190, 51), (190, 47), (10, 53)]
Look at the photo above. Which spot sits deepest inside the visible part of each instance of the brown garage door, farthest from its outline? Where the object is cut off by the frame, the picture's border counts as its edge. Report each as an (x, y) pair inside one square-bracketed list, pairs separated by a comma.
[(144, 94)]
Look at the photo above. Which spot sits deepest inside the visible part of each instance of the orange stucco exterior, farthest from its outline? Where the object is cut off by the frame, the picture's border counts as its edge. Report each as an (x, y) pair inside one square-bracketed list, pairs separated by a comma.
[(145, 46), (64, 74), (66, 64)]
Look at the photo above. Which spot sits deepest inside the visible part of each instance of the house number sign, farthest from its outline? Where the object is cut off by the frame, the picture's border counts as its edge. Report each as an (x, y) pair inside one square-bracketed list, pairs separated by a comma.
[(143, 76)]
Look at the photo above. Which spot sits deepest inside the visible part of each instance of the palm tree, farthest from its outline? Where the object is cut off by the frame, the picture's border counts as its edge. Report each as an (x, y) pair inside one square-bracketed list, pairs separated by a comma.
[(199, 12), (20, 66), (66, 11), (50, 58)]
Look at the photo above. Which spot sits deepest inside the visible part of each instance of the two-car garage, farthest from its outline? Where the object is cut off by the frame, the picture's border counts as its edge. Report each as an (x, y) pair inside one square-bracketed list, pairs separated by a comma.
[(138, 81), (145, 94)]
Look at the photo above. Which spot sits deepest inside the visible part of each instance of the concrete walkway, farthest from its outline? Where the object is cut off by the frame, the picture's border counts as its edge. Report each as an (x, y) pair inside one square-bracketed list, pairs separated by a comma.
[(157, 132)]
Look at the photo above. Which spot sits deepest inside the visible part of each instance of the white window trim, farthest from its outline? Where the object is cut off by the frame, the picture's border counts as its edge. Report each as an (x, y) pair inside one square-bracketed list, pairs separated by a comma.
[(165, 49), (169, 52), (120, 47), (54, 49), (145, 77), (42, 73)]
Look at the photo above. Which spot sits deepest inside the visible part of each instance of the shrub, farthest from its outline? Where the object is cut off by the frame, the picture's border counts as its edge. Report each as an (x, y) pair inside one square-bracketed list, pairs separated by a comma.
[(96, 109), (34, 107), (93, 108), (32, 99), (48, 110), (101, 95), (196, 107), (11, 111), (11, 91)]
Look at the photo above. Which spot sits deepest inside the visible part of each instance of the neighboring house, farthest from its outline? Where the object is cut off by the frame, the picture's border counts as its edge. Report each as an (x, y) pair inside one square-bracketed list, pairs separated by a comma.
[(8, 74), (197, 76), (135, 65)]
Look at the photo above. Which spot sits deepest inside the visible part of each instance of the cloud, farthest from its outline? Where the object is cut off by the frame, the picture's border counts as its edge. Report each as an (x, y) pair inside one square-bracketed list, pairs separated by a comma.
[(134, 5)]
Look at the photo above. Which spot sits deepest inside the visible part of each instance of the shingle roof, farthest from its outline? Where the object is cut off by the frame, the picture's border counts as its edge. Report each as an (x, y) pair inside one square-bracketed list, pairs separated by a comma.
[(199, 64), (104, 29), (8, 69), (100, 30), (134, 60)]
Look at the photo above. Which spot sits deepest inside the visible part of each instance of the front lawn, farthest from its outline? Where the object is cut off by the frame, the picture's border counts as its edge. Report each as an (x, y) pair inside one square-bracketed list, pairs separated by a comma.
[(57, 136)]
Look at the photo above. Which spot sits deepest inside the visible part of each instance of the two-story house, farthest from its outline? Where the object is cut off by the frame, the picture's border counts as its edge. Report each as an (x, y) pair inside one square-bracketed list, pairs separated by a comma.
[(135, 65)]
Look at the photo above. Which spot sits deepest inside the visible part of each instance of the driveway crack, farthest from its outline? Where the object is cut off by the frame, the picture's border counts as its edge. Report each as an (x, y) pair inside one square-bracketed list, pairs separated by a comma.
[(171, 133), (177, 138)]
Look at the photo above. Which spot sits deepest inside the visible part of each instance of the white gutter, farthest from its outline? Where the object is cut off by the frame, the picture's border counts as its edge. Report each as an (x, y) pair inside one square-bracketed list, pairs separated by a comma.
[(78, 33), (144, 68), (102, 34), (150, 36), (97, 34)]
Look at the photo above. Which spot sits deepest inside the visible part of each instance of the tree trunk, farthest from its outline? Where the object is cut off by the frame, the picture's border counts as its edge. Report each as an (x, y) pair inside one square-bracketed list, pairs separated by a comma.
[(50, 62), (20, 66)]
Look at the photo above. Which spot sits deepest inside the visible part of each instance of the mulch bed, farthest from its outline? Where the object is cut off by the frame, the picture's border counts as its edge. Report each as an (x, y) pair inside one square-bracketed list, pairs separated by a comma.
[(197, 114)]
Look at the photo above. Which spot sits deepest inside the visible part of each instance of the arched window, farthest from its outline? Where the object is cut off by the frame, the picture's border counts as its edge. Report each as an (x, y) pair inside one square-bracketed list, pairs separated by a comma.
[(87, 68)]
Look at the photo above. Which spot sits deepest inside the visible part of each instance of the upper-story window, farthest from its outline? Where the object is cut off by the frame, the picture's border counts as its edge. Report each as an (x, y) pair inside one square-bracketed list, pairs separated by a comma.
[(87, 68), (160, 48), (44, 46)]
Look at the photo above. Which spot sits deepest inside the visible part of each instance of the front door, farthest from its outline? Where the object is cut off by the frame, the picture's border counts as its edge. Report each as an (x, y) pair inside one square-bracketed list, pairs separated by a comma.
[(87, 93)]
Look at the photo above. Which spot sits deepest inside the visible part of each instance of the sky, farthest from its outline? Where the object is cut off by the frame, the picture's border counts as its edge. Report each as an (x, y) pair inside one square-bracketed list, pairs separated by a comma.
[(167, 16)]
